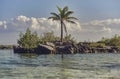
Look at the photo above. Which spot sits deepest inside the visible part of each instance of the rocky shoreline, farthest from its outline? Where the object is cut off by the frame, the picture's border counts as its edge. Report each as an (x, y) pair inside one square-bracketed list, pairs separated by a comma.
[(106, 49), (66, 48)]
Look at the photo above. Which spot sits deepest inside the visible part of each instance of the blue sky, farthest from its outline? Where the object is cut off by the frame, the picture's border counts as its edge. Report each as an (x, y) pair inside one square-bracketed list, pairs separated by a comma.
[(93, 15), (84, 10)]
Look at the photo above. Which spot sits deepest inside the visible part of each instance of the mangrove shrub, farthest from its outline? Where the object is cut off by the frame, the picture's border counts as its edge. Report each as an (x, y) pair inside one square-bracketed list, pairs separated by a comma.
[(28, 39)]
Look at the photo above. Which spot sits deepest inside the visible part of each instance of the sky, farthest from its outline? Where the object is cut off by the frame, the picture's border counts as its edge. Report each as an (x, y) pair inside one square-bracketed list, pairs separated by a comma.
[(96, 18)]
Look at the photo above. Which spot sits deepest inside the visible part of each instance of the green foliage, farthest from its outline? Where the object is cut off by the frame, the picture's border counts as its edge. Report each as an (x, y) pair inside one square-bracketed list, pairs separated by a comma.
[(31, 40), (63, 15), (69, 38), (48, 37), (114, 41), (28, 40), (97, 44), (6, 46)]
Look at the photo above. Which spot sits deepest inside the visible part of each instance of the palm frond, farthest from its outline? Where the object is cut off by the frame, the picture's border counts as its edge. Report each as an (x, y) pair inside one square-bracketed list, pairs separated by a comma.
[(54, 18), (63, 15), (65, 9), (71, 21), (68, 13), (72, 18), (54, 14), (59, 9)]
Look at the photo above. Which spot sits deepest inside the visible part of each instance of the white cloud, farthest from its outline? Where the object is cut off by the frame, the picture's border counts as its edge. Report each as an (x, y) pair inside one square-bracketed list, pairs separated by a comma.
[(93, 30), (103, 22), (108, 25), (22, 18), (41, 25), (106, 29), (34, 23), (3, 24), (96, 29)]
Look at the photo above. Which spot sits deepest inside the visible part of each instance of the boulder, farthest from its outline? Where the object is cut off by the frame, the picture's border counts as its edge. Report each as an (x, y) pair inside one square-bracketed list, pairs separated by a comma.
[(50, 44), (66, 49), (18, 49), (44, 49)]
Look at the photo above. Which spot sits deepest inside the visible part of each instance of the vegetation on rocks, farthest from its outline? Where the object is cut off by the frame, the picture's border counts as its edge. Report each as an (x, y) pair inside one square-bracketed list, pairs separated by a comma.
[(32, 40), (48, 37), (95, 44), (28, 40), (114, 41), (6, 46)]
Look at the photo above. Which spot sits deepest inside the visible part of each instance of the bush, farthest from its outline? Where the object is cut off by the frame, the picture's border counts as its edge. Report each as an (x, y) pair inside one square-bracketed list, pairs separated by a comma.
[(114, 41), (28, 40), (48, 37), (97, 45)]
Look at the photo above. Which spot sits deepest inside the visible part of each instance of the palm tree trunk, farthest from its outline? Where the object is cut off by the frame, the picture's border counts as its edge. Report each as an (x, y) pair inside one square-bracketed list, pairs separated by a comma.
[(61, 22), (61, 31)]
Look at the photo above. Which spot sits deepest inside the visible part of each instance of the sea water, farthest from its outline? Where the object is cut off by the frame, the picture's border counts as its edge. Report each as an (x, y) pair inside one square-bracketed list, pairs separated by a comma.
[(71, 66)]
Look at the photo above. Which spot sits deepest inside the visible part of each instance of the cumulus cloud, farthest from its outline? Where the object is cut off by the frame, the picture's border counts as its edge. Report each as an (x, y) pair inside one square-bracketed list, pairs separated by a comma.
[(41, 25), (93, 30), (108, 25), (97, 29), (22, 18), (106, 29), (3, 24), (103, 22)]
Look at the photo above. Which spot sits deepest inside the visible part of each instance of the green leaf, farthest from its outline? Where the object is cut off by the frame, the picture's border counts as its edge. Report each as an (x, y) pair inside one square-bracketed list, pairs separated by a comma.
[(71, 21), (59, 9), (72, 18)]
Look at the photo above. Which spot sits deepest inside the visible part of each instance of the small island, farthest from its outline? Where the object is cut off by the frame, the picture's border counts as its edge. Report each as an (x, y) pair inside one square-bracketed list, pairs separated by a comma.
[(48, 43), (59, 39)]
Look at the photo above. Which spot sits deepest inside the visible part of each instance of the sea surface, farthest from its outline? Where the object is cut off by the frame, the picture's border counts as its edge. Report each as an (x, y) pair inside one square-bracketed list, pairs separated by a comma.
[(72, 66)]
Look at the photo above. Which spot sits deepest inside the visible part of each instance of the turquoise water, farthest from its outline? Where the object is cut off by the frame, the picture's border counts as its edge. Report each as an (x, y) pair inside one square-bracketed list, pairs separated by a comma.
[(76, 66)]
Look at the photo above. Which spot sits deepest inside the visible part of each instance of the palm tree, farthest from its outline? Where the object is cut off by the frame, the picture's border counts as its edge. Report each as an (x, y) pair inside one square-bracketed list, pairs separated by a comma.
[(62, 16)]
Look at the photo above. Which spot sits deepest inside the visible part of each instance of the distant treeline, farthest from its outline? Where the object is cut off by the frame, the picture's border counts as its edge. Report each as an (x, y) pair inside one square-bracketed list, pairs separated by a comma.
[(6, 46), (114, 41)]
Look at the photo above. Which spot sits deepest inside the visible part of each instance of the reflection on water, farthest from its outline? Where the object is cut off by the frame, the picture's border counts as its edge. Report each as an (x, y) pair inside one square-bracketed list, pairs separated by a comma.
[(78, 66), (28, 55)]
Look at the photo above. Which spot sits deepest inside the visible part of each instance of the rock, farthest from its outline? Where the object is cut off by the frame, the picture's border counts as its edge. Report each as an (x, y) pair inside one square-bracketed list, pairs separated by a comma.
[(23, 50), (44, 49), (50, 44), (66, 49)]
